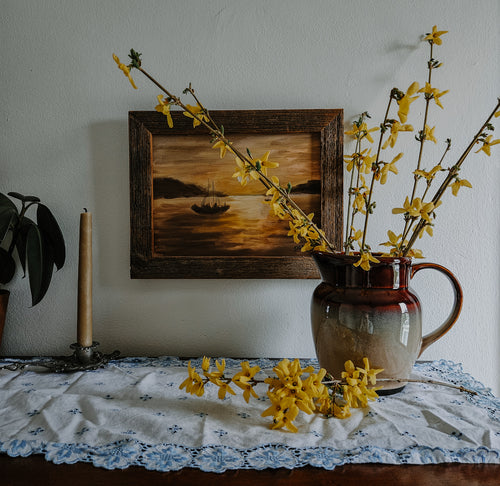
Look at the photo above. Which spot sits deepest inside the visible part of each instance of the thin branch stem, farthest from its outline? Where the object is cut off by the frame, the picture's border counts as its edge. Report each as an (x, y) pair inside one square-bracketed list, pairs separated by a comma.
[(410, 380), (422, 141), (350, 217), (368, 202), (428, 382)]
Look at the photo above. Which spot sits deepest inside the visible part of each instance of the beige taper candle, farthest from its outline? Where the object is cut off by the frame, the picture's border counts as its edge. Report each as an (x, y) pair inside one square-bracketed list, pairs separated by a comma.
[(84, 323)]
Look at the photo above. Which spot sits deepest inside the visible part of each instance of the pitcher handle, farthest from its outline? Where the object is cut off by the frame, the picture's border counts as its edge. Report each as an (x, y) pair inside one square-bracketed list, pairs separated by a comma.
[(433, 336)]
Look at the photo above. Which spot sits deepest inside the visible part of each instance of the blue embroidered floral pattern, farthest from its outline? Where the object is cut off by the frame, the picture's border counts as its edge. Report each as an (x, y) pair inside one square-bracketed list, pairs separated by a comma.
[(132, 413)]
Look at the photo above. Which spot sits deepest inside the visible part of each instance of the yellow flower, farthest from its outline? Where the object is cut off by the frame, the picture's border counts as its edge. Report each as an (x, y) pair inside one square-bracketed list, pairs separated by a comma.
[(341, 412), (393, 239), (223, 147), (273, 191), (426, 229), (301, 225), (433, 93), (247, 390), (356, 392), (313, 385), (358, 234), (288, 371), (242, 378), (359, 201), (277, 203), (370, 373), (125, 69), (405, 102), (396, 127), (279, 209), (368, 161), (405, 209), (223, 389), (435, 36), (429, 134), (196, 113), (314, 240), (353, 160), (246, 373), (205, 365), (438, 95), (276, 406), (294, 231), (428, 175), (215, 375), (390, 167), (163, 107), (361, 131), (284, 412), (414, 253), (487, 143), (244, 172), (193, 383), (416, 209), (458, 184), (265, 163), (363, 161), (364, 261)]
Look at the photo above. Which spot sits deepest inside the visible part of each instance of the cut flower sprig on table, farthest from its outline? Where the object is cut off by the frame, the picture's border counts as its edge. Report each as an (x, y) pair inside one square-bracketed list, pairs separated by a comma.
[(368, 165), (293, 389)]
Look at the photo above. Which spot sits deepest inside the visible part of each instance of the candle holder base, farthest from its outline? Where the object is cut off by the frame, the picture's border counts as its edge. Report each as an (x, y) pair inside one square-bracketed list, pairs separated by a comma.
[(84, 358)]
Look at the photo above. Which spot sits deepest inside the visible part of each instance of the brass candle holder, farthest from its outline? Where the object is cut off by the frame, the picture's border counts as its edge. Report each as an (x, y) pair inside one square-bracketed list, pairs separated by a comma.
[(84, 358)]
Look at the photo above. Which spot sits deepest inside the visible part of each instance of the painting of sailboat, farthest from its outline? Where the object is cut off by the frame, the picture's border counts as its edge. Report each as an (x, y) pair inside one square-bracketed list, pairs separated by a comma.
[(211, 203), (193, 216), (224, 218)]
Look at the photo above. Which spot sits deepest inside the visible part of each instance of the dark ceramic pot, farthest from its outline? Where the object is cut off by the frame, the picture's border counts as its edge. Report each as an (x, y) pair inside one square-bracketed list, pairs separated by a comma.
[(374, 314), (4, 300)]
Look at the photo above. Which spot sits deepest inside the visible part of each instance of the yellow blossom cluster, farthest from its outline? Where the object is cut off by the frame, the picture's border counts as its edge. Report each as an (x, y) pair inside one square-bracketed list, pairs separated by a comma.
[(290, 393), (356, 391), (293, 389), (125, 69), (397, 244), (195, 384)]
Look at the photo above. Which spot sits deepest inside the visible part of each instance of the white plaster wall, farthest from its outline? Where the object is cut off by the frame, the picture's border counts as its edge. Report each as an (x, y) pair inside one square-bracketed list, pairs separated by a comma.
[(64, 138)]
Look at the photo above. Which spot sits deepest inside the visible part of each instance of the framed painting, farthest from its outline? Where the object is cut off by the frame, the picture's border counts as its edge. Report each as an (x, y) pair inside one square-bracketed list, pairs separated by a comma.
[(191, 219)]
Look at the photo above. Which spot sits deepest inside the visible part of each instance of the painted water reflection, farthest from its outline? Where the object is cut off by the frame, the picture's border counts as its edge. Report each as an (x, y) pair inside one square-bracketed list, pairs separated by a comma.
[(246, 229)]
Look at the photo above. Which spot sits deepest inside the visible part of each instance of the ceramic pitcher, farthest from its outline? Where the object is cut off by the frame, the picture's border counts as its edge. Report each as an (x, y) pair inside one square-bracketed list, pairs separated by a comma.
[(374, 314)]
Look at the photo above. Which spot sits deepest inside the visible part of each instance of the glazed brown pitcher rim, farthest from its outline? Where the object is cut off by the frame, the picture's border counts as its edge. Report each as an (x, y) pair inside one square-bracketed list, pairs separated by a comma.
[(354, 257)]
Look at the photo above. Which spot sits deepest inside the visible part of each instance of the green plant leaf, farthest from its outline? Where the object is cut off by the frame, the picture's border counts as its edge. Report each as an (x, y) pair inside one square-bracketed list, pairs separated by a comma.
[(7, 217), (34, 260), (51, 230), (21, 241), (48, 266), (16, 195), (40, 263), (7, 266), (6, 202)]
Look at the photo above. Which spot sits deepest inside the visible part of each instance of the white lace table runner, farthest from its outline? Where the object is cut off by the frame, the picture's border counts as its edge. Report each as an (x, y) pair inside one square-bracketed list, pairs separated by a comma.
[(133, 413)]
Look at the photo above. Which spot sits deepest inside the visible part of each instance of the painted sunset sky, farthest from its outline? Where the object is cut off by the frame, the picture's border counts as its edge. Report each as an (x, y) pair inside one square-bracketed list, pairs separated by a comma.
[(190, 159)]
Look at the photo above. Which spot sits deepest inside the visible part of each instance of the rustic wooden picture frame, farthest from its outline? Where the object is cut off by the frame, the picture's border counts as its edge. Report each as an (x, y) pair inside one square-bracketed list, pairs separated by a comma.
[(144, 126)]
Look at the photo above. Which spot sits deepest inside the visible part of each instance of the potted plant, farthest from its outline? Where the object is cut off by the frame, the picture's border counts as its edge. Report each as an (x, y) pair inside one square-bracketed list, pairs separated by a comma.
[(39, 246)]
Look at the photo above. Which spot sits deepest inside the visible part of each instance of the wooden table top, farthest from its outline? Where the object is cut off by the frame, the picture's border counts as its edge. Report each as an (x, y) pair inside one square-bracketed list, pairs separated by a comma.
[(27, 471)]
